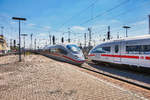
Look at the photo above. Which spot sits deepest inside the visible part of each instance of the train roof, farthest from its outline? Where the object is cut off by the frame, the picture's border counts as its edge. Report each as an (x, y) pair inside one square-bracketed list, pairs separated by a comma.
[(64, 45), (136, 38)]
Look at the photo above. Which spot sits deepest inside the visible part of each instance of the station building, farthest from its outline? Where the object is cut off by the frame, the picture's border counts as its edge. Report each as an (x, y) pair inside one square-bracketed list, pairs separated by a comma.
[(3, 45)]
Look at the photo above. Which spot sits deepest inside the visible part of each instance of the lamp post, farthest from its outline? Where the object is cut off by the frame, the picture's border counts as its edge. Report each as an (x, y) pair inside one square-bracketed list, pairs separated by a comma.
[(126, 27), (19, 19)]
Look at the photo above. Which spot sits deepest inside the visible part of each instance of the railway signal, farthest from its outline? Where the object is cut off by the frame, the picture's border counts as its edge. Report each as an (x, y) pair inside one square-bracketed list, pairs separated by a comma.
[(19, 19), (108, 33), (14, 43), (62, 39), (50, 39), (35, 44), (53, 38), (69, 35)]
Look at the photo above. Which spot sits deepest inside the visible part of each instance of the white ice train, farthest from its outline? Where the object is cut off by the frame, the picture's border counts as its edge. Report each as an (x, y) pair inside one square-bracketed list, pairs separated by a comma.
[(68, 53), (129, 51)]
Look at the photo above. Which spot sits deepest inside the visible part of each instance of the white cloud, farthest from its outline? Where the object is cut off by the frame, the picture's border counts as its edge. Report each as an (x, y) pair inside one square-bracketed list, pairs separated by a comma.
[(41, 35), (78, 28), (47, 27), (139, 23), (99, 26), (31, 24), (13, 22), (114, 21)]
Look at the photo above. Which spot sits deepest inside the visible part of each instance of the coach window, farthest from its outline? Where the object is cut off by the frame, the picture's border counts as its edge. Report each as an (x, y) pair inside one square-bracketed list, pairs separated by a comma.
[(49, 50), (62, 51), (146, 49), (116, 48), (135, 49), (53, 50)]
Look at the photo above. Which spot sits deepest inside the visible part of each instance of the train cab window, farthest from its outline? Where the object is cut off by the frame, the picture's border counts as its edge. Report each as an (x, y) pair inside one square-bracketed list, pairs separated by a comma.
[(135, 49), (102, 50), (116, 48), (73, 48), (106, 49)]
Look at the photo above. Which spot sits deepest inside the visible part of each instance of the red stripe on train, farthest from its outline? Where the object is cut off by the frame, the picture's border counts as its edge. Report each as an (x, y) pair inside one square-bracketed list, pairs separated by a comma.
[(147, 58), (91, 55), (73, 59), (120, 56), (68, 58)]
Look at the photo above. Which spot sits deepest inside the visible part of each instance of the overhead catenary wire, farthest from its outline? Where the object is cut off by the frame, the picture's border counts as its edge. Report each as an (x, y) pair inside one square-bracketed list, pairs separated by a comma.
[(105, 12), (78, 14), (123, 13)]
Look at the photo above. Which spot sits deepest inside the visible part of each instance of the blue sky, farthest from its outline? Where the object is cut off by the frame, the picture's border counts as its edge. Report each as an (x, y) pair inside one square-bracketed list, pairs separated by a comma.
[(54, 17)]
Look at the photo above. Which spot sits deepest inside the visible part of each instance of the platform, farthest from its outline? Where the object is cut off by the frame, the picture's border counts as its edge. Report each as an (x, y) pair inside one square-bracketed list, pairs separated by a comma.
[(41, 78)]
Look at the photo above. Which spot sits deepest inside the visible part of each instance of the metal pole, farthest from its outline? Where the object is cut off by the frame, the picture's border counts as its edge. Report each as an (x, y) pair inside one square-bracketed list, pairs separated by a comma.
[(31, 41), (149, 23), (108, 34), (35, 44), (126, 27), (69, 35), (126, 32), (19, 43), (84, 39), (50, 39), (24, 35), (10, 43), (90, 38), (24, 44), (17, 18), (118, 35)]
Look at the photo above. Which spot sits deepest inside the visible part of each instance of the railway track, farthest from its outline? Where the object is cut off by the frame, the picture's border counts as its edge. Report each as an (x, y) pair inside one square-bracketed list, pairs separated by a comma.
[(115, 77)]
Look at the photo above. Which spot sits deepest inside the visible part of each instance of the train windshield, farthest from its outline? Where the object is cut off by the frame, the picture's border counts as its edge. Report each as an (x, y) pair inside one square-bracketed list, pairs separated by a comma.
[(73, 48)]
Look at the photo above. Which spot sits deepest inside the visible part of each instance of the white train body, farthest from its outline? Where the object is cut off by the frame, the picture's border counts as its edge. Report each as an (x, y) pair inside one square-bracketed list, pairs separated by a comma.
[(129, 51), (68, 53)]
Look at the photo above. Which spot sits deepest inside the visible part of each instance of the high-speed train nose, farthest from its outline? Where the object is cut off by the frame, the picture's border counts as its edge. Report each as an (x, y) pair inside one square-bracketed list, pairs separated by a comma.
[(79, 57)]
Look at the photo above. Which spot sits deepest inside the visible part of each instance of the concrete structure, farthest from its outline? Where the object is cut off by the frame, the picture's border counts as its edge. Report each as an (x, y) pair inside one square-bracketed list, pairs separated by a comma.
[(3, 45)]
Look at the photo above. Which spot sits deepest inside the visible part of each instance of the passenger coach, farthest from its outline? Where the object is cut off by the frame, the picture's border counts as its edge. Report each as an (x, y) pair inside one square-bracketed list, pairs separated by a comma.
[(129, 51)]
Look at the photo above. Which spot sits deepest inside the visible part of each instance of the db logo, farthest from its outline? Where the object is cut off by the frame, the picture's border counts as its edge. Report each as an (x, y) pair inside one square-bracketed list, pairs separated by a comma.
[(141, 57)]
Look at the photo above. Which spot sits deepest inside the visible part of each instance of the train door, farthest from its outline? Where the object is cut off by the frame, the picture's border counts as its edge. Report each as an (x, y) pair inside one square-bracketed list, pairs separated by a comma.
[(117, 53), (133, 50), (97, 52), (144, 59)]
